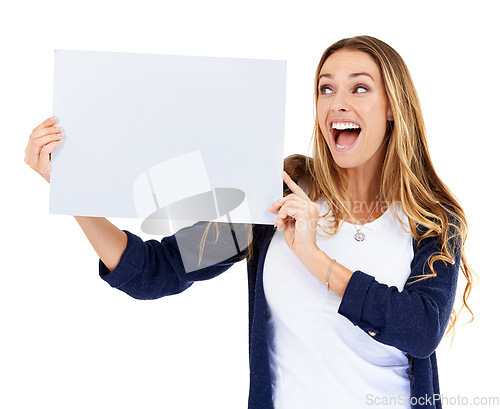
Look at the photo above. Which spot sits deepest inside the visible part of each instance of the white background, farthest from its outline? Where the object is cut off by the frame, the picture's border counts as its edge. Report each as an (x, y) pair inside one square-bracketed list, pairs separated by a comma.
[(69, 340)]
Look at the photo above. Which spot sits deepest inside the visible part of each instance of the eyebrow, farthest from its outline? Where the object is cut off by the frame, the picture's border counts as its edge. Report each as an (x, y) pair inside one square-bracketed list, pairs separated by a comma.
[(353, 75)]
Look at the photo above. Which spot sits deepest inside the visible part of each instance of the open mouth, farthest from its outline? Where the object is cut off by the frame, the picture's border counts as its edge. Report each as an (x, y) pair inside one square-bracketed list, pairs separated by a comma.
[(345, 134)]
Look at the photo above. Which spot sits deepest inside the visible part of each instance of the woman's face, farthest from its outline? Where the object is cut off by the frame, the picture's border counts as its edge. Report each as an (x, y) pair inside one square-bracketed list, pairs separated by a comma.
[(353, 109)]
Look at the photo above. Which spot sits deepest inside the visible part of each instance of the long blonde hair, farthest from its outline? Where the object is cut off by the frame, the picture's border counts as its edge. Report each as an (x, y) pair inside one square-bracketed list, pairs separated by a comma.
[(408, 176)]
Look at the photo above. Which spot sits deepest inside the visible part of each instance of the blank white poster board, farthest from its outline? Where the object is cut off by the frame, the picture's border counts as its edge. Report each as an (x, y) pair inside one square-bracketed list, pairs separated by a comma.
[(161, 137)]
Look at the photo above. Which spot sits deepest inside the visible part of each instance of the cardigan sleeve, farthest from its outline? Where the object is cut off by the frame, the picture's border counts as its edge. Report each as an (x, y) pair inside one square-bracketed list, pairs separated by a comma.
[(154, 269), (413, 320)]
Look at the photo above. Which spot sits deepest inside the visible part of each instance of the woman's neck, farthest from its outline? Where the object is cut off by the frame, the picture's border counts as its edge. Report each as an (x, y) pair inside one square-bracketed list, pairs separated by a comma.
[(364, 192)]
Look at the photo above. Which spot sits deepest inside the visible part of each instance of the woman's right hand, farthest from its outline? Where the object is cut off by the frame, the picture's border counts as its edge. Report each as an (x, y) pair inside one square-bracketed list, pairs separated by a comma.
[(43, 140)]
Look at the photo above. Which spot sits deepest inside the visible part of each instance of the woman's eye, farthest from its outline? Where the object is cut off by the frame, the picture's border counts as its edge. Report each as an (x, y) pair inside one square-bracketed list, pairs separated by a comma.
[(360, 89), (324, 89)]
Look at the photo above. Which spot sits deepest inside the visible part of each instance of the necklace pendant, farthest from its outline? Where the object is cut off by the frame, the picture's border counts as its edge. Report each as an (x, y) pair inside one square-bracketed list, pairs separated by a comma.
[(359, 236)]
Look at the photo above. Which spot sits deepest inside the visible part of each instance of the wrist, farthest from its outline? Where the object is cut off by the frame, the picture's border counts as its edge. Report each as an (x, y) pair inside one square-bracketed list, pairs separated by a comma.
[(317, 262), (308, 255), (325, 269)]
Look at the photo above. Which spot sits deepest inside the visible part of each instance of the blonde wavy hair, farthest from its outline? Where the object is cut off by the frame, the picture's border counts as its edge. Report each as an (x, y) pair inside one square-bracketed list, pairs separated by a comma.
[(408, 176)]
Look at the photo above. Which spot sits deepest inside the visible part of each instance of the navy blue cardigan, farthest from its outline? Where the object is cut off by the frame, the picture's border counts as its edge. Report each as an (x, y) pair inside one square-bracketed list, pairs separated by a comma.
[(413, 320)]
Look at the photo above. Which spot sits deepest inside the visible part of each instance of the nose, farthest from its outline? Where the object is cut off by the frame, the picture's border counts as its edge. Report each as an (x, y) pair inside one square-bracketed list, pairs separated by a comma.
[(340, 103)]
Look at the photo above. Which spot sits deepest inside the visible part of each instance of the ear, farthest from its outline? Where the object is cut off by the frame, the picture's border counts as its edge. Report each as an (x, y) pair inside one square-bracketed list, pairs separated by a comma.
[(390, 116)]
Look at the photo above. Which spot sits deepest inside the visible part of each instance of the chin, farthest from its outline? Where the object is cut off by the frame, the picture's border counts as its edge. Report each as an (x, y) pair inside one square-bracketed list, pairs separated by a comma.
[(345, 161), (355, 158), (347, 164)]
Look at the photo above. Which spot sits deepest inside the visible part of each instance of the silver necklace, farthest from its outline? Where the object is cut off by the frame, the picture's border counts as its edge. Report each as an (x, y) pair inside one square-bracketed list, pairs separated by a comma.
[(360, 236)]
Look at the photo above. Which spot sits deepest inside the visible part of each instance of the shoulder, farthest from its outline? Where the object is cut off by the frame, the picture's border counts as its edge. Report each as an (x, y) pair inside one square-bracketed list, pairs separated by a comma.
[(443, 228), (437, 254)]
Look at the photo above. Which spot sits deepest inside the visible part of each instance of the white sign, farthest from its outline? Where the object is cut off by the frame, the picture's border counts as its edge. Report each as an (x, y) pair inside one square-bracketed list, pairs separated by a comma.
[(162, 137)]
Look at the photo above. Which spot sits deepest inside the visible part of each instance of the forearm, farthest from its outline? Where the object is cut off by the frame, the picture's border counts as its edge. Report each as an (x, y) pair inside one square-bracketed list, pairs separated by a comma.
[(108, 241), (414, 319), (152, 269), (318, 263)]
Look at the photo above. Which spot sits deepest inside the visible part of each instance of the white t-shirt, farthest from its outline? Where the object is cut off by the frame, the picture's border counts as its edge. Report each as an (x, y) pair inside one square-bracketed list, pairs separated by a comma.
[(318, 358)]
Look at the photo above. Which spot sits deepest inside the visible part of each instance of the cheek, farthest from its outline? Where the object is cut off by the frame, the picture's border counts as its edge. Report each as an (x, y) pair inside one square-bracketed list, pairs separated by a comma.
[(377, 116), (322, 115)]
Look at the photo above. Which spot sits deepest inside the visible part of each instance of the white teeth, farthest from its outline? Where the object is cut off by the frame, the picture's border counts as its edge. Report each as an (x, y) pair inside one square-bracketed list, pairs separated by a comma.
[(340, 146), (344, 125)]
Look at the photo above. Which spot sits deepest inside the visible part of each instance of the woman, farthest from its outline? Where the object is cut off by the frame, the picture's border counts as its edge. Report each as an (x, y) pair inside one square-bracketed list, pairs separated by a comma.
[(352, 290)]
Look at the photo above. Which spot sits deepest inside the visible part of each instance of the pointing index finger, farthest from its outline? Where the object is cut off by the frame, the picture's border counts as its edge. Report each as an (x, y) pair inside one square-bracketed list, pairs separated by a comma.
[(293, 186)]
